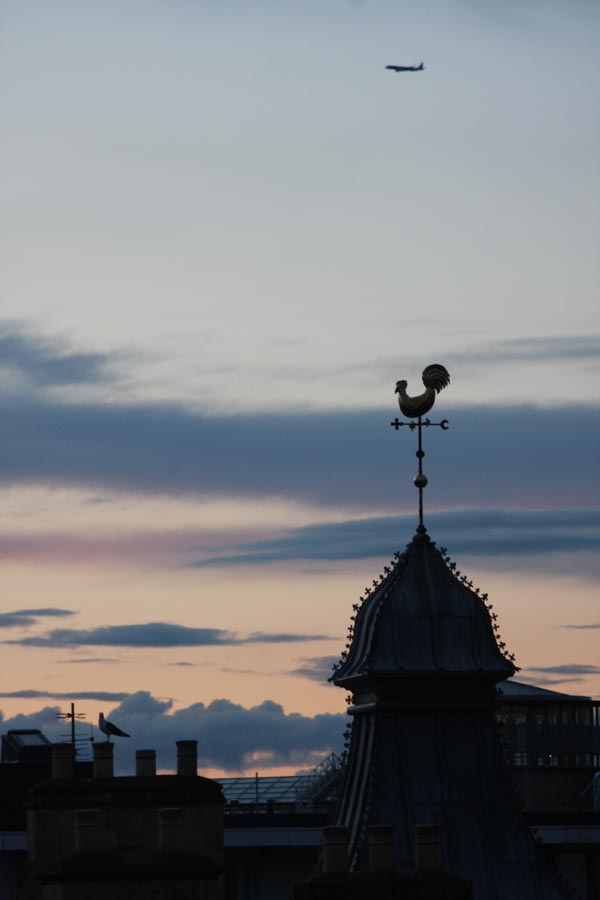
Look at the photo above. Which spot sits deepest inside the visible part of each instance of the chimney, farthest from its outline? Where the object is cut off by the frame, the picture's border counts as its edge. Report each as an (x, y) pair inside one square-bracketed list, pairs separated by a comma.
[(63, 756), (428, 850), (335, 849), (381, 848), (169, 828), (145, 763), (86, 829), (187, 757), (103, 759)]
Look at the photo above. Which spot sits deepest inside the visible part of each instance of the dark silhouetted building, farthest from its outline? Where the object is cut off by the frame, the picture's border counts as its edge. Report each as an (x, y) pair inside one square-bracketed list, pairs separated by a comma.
[(422, 667)]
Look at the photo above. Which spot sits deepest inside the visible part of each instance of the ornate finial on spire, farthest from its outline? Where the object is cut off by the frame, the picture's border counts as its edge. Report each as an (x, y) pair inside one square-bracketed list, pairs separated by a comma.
[(435, 379)]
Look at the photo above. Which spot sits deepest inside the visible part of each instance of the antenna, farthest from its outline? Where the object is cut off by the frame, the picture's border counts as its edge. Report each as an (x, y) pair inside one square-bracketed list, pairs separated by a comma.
[(73, 717)]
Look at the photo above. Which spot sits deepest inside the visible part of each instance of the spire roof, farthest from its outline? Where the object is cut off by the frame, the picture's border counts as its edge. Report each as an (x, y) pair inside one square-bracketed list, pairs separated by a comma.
[(422, 618)]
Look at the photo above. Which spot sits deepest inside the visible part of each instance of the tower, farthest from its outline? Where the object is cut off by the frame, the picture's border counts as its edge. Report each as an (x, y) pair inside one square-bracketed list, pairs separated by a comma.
[(422, 667)]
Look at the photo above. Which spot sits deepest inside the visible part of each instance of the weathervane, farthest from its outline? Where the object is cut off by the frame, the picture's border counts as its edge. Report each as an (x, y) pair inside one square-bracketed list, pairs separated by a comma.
[(435, 379)]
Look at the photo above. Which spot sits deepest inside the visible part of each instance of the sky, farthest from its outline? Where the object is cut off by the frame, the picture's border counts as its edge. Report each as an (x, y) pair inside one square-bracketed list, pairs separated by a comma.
[(227, 232)]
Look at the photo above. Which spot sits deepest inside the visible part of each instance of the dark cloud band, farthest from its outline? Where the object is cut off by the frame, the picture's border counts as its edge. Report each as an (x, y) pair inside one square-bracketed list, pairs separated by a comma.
[(507, 456), (472, 532), (155, 634)]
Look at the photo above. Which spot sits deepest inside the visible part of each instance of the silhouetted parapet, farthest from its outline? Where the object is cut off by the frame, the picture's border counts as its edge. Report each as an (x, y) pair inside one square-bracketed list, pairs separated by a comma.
[(134, 829), (423, 885), (382, 881), (136, 874), (128, 808)]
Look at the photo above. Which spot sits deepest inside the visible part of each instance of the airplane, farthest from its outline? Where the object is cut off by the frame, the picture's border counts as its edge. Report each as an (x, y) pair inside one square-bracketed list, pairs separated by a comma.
[(418, 68)]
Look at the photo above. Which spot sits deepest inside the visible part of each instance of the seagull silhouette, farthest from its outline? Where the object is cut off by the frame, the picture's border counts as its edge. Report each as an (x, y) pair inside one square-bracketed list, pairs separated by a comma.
[(109, 729)]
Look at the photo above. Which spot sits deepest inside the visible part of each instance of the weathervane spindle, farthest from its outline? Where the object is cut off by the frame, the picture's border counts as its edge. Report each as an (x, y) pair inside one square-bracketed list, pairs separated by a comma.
[(435, 379)]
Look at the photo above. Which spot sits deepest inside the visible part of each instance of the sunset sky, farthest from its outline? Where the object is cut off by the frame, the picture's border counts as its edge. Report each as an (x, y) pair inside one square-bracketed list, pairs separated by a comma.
[(227, 232)]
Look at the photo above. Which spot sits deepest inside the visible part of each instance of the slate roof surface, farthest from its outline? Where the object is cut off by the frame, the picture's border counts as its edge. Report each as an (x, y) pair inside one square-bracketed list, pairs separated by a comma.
[(422, 618)]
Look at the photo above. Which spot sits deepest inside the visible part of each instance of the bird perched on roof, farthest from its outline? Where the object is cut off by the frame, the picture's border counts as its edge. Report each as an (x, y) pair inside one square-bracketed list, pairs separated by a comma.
[(109, 729), (435, 379)]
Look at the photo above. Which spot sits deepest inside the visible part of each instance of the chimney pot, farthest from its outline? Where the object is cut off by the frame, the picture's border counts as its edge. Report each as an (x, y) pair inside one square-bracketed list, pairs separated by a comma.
[(63, 756), (187, 757), (381, 848), (335, 849), (103, 759), (145, 763), (428, 847)]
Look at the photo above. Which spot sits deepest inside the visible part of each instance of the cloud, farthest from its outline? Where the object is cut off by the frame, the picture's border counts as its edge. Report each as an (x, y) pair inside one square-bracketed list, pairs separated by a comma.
[(234, 671), (90, 659), (531, 350), (109, 696), (567, 669), (125, 548), (474, 532), (541, 680), (316, 668), (22, 618), (591, 625), (46, 611), (155, 634), (507, 455), (230, 737), (43, 362)]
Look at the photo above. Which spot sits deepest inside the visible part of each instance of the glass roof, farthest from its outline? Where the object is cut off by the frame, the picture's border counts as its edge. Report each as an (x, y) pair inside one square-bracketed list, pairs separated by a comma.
[(278, 788), (259, 790)]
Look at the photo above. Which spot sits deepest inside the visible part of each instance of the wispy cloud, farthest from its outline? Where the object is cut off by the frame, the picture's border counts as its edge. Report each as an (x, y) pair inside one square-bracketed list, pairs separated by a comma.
[(95, 660), (43, 362), (567, 669), (169, 547), (584, 625), (476, 532), (23, 618), (548, 682), (109, 696), (155, 634), (557, 348), (230, 735), (316, 668)]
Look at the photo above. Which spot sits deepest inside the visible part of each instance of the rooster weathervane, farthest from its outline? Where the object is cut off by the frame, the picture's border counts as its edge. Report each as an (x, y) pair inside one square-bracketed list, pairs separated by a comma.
[(435, 379)]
